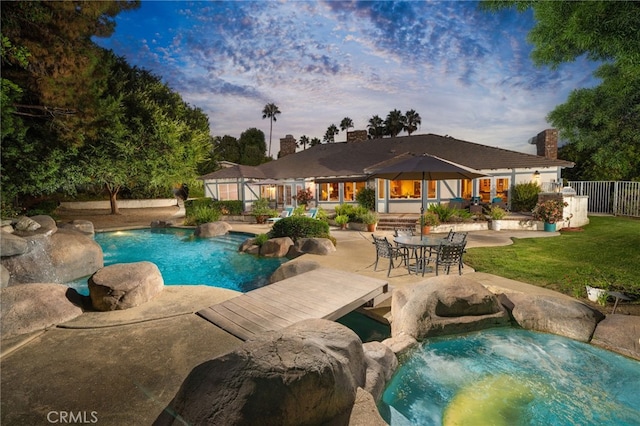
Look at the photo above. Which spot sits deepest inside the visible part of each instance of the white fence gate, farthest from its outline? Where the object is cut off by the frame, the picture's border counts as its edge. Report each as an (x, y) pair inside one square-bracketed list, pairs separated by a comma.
[(611, 197)]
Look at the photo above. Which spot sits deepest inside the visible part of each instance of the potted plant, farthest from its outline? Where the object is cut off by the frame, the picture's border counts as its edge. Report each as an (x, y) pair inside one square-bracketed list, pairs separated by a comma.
[(304, 196), (496, 214), (261, 210), (342, 220), (550, 212), (427, 220), (370, 219)]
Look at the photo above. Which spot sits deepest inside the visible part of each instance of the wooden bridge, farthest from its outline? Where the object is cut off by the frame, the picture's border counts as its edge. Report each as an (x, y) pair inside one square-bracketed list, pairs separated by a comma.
[(321, 293)]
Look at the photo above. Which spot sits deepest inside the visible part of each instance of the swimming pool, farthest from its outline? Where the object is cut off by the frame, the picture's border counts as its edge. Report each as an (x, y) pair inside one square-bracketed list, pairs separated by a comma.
[(508, 376), (184, 259)]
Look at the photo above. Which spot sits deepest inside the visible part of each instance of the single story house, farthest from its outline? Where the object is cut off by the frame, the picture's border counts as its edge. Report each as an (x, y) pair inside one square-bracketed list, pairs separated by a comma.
[(335, 172)]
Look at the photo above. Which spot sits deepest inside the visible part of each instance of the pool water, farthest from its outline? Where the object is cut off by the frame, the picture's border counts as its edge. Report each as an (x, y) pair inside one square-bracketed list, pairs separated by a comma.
[(184, 259), (508, 376)]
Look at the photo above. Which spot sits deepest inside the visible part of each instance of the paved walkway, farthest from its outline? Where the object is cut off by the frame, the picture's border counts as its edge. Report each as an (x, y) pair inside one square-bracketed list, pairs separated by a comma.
[(123, 367)]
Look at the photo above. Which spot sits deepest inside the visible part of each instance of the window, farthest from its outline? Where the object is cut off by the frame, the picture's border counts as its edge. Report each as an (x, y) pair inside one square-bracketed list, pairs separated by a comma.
[(502, 188), (405, 189), (485, 190), (227, 191), (329, 191), (351, 190), (466, 189), (381, 183)]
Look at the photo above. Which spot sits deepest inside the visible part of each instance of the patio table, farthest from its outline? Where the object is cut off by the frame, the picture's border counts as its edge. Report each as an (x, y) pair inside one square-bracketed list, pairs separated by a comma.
[(422, 248)]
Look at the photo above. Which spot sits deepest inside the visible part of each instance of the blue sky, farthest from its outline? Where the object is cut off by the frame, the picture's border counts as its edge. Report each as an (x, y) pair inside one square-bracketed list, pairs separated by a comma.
[(467, 72)]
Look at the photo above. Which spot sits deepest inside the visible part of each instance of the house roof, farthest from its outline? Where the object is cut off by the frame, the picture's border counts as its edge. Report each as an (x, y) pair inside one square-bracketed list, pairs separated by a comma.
[(355, 159), (237, 171)]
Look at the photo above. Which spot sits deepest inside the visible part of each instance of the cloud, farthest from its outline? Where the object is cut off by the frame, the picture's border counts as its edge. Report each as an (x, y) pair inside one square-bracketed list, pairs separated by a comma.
[(467, 72)]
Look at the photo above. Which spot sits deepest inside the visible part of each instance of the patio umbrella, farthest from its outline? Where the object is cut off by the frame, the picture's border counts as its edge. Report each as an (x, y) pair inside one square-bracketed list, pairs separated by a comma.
[(411, 166)]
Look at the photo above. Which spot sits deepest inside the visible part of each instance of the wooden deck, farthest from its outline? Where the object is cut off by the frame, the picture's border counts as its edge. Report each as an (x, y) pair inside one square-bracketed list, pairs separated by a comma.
[(321, 293)]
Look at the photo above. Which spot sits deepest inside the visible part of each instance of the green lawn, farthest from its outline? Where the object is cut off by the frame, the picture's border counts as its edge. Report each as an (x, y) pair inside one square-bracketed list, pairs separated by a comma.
[(605, 255)]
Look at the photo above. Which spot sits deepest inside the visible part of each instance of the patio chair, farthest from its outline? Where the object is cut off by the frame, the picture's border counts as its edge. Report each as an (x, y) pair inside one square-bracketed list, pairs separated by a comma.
[(405, 232), (497, 202), (312, 213), (384, 249), (458, 237), (288, 211), (450, 255)]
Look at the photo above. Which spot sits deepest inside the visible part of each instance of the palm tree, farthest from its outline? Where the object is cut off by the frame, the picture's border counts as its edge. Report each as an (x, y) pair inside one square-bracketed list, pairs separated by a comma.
[(314, 142), (376, 127), (303, 142), (393, 123), (346, 124), (270, 111), (411, 121), (330, 135)]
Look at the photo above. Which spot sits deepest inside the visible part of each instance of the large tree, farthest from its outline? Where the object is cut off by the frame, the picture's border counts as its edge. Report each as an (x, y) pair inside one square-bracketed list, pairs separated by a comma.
[(271, 112), (330, 134), (52, 74), (394, 123), (303, 142), (376, 127), (411, 121), (346, 124), (252, 147), (601, 124), (149, 138)]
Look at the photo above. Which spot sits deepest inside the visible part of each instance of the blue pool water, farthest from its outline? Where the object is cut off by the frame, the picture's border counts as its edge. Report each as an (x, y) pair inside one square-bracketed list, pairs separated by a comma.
[(185, 259), (509, 376)]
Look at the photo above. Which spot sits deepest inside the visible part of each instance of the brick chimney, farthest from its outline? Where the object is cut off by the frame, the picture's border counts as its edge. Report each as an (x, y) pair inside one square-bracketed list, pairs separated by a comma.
[(547, 143), (287, 146), (356, 136)]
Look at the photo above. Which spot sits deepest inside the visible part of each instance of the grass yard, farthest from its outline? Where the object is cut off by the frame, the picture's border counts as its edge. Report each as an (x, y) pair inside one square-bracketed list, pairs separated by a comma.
[(605, 255)]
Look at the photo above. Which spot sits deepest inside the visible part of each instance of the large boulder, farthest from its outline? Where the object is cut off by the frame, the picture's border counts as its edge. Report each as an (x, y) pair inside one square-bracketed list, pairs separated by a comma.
[(291, 269), (557, 315), (61, 257), (619, 333), (276, 247), (444, 305), (35, 225), (381, 364), (365, 412), (83, 226), (320, 246), (30, 307), (212, 229), (11, 244), (124, 285), (307, 373), (5, 277)]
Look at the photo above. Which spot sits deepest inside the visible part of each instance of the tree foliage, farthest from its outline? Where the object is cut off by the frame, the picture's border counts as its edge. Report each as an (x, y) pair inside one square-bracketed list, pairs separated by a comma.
[(270, 111), (330, 134), (78, 116), (600, 124)]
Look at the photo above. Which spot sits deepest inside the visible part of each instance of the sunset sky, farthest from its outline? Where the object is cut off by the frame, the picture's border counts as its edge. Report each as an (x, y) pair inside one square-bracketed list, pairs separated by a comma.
[(467, 72)]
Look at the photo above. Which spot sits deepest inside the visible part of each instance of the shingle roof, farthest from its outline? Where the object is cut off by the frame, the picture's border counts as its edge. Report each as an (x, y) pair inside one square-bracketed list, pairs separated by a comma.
[(351, 159), (236, 171)]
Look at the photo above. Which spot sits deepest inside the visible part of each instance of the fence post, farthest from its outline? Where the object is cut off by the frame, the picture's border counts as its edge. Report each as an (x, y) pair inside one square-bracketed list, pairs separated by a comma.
[(615, 198)]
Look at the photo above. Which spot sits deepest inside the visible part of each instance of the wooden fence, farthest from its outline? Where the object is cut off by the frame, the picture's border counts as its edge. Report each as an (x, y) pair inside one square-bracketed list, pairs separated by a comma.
[(610, 197)]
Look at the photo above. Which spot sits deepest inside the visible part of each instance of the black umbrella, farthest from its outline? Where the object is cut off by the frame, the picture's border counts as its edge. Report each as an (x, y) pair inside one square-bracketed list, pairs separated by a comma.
[(423, 167)]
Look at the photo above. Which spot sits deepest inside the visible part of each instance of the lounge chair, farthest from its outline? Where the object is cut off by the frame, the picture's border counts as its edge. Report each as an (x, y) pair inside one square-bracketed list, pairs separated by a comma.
[(312, 213), (288, 211)]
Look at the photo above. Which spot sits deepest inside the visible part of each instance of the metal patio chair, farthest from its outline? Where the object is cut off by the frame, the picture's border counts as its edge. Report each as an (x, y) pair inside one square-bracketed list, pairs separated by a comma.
[(384, 249)]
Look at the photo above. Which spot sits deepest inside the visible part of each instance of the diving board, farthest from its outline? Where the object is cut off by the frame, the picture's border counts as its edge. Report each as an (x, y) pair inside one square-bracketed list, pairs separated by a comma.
[(321, 293)]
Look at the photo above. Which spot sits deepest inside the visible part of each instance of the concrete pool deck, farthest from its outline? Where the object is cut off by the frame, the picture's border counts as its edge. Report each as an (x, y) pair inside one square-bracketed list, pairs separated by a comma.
[(124, 367)]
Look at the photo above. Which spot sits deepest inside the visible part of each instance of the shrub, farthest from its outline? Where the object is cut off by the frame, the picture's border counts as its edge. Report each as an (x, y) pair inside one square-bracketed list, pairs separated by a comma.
[(368, 217), (366, 197), (229, 207), (296, 227), (429, 219), (497, 213), (524, 196), (444, 213), (202, 214), (549, 211), (355, 213), (342, 219), (304, 196), (261, 239)]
